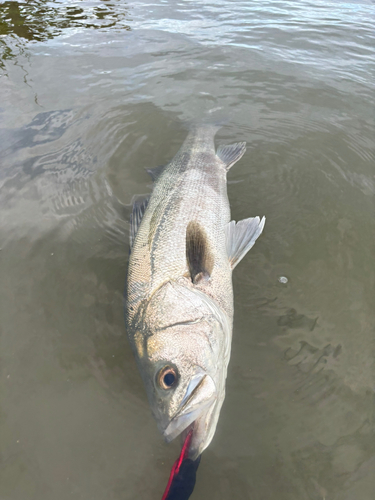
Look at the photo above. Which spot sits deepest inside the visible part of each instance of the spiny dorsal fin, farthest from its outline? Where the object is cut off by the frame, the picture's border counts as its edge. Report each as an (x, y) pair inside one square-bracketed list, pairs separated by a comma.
[(241, 236), (231, 153), (138, 210), (199, 258), (155, 172)]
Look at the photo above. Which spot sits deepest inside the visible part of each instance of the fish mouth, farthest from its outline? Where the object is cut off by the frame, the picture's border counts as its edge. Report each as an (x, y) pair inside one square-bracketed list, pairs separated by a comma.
[(199, 396)]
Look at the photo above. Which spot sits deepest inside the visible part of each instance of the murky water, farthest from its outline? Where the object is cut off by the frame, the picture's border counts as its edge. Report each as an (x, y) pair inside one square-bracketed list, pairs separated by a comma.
[(91, 93)]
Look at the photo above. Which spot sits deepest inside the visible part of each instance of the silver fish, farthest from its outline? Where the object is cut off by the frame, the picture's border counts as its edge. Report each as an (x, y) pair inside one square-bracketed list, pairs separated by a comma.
[(179, 297)]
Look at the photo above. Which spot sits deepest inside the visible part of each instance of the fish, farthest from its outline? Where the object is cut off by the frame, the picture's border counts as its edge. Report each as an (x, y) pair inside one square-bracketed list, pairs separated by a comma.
[(179, 294)]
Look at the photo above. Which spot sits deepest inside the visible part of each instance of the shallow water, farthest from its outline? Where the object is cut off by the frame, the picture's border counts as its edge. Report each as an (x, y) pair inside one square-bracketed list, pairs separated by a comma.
[(91, 93)]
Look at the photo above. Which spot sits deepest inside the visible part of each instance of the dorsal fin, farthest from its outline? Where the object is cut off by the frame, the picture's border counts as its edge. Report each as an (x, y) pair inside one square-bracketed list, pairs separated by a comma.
[(241, 236), (138, 210), (231, 153), (155, 172), (199, 258)]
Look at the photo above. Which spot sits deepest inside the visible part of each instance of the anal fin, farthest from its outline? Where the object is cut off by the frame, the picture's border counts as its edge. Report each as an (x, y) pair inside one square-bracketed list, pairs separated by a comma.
[(138, 210), (231, 153), (241, 236)]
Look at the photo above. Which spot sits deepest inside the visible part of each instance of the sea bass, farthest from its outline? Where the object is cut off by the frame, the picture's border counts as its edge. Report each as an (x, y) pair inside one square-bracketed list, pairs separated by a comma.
[(179, 296)]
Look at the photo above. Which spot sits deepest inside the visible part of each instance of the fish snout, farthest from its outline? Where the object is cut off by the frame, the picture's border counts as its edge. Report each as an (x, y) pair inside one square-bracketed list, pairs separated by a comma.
[(196, 405)]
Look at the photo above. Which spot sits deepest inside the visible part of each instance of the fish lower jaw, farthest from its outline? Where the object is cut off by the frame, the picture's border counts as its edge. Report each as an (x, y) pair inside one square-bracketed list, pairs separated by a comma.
[(179, 425), (198, 443), (193, 451)]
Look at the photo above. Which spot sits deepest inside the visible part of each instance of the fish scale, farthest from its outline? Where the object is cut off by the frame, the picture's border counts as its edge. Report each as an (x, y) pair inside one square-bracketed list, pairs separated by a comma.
[(180, 197)]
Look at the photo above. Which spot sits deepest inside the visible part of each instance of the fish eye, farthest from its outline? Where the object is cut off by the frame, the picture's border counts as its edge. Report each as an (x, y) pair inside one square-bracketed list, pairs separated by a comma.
[(167, 377)]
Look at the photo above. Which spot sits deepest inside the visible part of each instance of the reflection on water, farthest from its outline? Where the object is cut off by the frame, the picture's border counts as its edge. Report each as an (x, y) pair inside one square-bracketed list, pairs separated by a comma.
[(83, 112), (39, 20)]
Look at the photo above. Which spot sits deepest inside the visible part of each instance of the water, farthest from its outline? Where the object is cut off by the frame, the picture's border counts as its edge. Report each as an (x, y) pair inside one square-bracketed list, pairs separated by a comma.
[(91, 93)]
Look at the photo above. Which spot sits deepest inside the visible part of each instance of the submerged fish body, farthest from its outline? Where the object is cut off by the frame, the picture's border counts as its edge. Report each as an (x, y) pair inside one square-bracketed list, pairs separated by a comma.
[(179, 308)]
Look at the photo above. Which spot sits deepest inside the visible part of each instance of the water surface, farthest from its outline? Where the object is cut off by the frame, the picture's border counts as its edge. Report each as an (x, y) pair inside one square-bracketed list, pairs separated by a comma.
[(91, 93)]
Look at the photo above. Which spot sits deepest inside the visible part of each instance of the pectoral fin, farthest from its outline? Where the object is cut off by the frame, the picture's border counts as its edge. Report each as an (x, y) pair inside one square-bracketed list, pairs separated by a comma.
[(241, 236), (199, 258), (139, 208), (155, 172), (231, 153)]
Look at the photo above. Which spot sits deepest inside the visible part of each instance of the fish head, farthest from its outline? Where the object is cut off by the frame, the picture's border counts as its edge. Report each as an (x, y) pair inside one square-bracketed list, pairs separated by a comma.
[(184, 366), (184, 387)]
